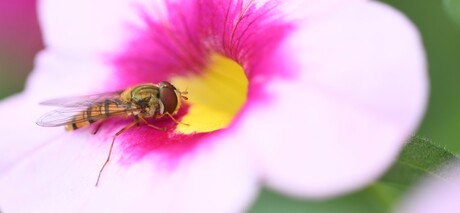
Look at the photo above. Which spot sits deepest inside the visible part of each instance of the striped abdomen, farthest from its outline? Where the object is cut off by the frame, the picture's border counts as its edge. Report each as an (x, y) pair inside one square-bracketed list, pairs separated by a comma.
[(97, 112)]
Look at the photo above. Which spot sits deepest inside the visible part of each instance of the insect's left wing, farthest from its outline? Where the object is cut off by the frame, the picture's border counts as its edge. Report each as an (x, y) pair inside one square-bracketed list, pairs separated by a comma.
[(82, 101)]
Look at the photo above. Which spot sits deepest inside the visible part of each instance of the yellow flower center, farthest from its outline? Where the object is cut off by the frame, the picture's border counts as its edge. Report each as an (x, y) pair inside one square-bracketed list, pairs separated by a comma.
[(215, 95)]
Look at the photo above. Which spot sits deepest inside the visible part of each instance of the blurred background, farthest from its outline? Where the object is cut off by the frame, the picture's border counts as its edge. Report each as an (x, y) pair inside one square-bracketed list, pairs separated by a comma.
[(20, 40)]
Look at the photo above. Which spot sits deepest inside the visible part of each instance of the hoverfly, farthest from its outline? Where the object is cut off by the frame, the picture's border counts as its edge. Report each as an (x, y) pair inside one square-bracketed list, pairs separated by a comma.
[(140, 102)]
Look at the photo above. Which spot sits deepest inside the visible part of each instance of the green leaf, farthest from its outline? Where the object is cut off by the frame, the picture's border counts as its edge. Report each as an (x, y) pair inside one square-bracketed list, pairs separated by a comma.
[(420, 157), (452, 8)]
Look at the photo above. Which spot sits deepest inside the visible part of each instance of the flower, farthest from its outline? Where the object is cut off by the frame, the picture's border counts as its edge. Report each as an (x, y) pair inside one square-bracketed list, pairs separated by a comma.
[(435, 194), (311, 99)]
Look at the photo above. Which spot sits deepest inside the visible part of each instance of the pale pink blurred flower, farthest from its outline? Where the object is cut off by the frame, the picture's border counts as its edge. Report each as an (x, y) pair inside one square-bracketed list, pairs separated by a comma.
[(335, 88), (20, 40), (435, 194)]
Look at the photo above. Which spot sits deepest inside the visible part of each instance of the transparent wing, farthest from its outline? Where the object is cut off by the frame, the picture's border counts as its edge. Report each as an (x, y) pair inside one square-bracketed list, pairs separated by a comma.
[(82, 101), (69, 115)]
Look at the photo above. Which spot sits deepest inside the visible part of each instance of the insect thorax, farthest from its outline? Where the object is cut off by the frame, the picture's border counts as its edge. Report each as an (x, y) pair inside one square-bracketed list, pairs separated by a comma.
[(145, 97)]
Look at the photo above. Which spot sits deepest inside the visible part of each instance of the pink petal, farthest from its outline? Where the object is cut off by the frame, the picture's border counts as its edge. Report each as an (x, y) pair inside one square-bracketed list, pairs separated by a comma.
[(312, 8), (435, 195), (340, 122), (79, 36), (85, 27), (59, 176), (57, 75), (16, 141)]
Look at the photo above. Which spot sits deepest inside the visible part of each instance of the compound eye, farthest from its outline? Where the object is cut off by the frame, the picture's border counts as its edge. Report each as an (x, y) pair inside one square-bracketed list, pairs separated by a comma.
[(168, 97), (166, 84)]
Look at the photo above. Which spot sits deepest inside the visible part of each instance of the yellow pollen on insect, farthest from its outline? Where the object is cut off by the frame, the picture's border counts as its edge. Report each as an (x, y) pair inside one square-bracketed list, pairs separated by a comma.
[(215, 96)]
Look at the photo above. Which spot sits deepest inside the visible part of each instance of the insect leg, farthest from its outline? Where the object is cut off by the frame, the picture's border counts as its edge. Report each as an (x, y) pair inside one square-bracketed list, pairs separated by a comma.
[(176, 121), (95, 130), (111, 147), (150, 125)]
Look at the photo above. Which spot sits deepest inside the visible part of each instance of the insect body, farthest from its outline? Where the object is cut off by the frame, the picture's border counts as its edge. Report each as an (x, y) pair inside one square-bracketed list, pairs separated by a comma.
[(140, 102)]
